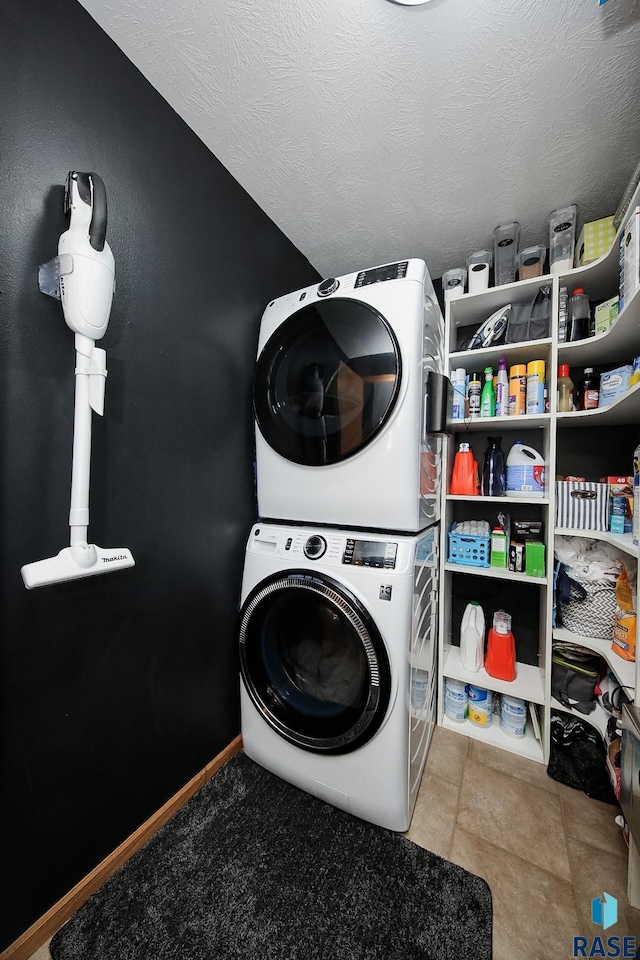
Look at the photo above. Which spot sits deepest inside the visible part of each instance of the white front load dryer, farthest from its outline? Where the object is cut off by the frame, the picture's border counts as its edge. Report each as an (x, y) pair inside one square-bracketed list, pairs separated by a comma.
[(337, 644), (340, 394)]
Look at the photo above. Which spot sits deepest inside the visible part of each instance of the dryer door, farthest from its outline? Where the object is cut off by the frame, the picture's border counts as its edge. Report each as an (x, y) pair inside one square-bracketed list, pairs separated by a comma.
[(326, 381), (313, 662)]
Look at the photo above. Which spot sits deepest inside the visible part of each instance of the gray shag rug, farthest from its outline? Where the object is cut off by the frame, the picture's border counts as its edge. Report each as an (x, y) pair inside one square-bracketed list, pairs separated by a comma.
[(251, 868)]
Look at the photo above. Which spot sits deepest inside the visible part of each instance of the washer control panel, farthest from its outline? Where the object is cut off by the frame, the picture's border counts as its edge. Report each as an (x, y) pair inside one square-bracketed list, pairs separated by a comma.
[(370, 553)]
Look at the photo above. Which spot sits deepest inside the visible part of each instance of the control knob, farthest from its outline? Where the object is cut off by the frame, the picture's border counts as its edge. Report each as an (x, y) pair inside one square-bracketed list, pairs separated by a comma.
[(315, 547), (328, 286)]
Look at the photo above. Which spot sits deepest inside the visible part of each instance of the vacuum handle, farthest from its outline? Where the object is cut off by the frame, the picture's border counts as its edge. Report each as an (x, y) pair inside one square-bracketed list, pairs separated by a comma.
[(92, 191)]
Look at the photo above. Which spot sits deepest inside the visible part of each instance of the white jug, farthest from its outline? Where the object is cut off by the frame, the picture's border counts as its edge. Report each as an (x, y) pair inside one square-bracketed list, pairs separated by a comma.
[(472, 637)]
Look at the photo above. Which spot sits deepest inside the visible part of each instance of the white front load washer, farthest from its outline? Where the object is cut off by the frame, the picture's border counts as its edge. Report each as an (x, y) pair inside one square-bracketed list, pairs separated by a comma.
[(340, 401), (338, 647)]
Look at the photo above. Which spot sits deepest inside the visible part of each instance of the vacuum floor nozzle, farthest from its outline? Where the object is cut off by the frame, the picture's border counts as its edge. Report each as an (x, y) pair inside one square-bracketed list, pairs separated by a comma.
[(72, 563)]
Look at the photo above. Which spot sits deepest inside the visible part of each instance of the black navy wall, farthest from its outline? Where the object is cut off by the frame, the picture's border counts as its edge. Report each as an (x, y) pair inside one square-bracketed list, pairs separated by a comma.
[(117, 689)]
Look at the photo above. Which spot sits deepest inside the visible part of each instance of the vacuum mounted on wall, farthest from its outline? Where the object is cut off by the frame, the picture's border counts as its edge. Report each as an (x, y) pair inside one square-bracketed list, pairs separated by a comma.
[(82, 276)]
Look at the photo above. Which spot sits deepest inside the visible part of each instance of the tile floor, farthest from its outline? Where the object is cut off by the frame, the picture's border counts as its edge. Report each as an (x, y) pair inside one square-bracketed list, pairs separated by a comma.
[(544, 849)]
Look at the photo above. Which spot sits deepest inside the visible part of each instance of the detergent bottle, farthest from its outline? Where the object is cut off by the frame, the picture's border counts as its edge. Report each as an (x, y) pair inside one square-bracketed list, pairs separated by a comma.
[(525, 472), (472, 637), (500, 661), (464, 477)]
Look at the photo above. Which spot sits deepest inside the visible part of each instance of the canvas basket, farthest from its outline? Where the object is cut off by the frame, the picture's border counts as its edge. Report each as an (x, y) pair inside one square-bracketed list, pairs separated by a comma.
[(582, 505)]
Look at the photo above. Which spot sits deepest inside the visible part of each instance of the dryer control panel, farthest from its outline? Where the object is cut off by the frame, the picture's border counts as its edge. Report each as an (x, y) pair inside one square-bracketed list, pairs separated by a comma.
[(390, 271), (370, 553)]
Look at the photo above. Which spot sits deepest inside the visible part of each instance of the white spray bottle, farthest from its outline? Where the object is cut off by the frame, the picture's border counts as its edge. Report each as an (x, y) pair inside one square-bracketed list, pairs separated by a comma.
[(472, 637)]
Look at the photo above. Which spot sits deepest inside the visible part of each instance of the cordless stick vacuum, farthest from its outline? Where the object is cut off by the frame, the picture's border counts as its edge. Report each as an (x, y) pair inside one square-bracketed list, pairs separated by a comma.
[(82, 276)]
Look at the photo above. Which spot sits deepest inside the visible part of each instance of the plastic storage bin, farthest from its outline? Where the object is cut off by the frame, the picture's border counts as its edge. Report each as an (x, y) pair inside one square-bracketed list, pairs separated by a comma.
[(469, 551)]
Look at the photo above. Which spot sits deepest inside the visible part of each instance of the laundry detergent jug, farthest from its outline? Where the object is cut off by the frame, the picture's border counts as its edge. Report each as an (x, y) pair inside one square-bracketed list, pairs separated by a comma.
[(525, 472), (464, 477), (500, 661), (472, 637)]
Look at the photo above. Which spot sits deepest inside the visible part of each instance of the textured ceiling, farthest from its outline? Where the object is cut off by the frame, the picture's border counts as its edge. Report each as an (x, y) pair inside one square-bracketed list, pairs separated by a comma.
[(370, 131)]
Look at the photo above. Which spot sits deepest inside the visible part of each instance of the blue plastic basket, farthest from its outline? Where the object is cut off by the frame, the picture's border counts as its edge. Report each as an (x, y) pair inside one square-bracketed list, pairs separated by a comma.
[(469, 551)]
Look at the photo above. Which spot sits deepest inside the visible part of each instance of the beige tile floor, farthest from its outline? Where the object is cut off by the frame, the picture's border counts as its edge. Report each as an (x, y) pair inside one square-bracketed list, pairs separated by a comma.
[(544, 849)]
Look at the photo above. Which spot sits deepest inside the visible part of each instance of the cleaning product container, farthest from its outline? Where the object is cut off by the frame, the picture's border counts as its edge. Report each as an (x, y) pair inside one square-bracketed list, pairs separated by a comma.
[(464, 476), (480, 709), (525, 472), (455, 700), (513, 715), (459, 387), (500, 661), (535, 386), (494, 477), (472, 637)]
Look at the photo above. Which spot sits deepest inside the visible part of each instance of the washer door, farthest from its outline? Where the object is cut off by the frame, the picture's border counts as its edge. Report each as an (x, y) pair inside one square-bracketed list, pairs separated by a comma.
[(313, 662), (326, 381)]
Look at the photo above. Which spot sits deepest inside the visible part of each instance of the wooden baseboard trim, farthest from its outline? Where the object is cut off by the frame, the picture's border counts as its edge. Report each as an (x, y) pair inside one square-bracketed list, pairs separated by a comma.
[(39, 932)]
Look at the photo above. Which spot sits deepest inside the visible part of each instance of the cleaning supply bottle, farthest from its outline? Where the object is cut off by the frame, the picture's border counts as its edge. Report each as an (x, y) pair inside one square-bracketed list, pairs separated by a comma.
[(474, 391), (565, 389), (579, 315), (494, 477), (464, 477), (525, 471), (518, 389), (588, 394), (488, 397), (459, 386), (500, 661), (535, 386), (502, 389), (472, 637)]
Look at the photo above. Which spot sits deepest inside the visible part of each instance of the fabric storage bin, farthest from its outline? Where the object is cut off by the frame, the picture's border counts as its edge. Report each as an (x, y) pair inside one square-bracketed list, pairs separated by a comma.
[(582, 505)]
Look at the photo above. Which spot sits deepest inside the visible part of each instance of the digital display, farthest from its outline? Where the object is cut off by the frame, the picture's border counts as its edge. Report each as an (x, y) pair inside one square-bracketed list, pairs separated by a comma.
[(391, 271), (370, 553)]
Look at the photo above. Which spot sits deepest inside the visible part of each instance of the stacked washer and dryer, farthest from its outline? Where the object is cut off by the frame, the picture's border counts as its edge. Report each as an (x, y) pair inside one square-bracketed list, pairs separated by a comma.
[(339, 595)]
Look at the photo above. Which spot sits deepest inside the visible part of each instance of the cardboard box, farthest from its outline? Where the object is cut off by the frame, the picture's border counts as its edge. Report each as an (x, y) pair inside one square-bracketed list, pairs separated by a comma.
[(534, 558), (606, 315), (594, 241), (582, 505), (630, 257)]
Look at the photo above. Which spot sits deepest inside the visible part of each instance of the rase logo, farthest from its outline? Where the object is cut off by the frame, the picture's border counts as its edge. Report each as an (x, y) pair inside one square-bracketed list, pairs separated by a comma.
[(604, 913)]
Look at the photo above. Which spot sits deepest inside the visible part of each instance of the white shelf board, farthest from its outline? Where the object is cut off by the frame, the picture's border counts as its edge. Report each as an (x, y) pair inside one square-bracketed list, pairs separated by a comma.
[(521, 352), (625, 670), (526, 746), (598, 718), (495, 573), (624, 541), (493, 425), (626, 409), (528, 684), (481, 498)]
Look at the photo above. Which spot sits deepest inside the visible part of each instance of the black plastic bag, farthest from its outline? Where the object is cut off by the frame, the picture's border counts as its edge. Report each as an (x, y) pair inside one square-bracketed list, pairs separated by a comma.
[(578, 757)]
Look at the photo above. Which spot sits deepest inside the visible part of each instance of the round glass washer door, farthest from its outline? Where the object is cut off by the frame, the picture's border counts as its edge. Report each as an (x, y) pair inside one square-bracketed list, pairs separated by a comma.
[(313, 662), (326, 381)]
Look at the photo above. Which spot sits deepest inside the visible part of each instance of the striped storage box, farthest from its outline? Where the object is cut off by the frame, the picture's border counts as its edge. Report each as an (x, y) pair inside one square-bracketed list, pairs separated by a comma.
[(582, 505)]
